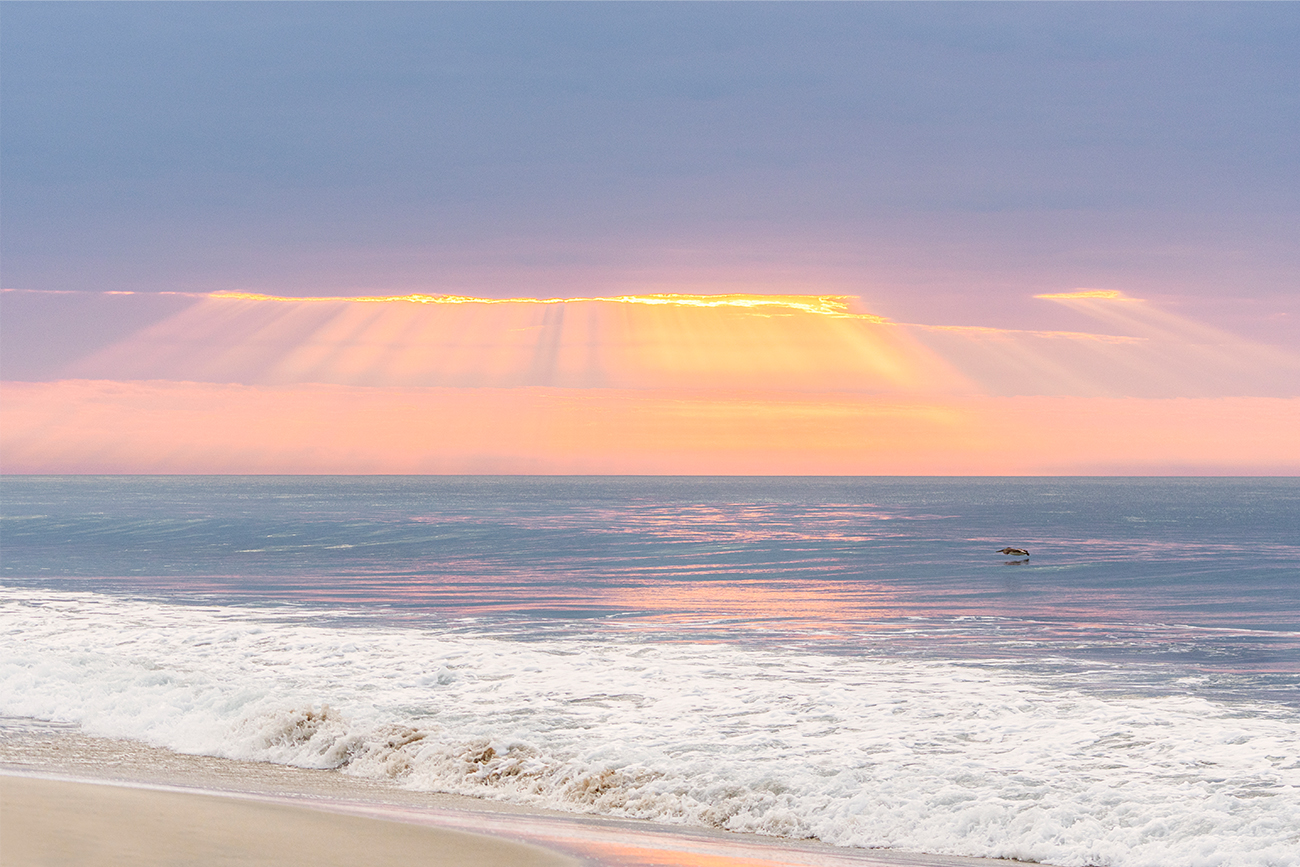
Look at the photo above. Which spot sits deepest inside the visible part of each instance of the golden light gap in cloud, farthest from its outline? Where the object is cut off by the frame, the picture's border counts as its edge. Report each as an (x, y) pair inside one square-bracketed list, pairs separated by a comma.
[(1107, 294), (665, 341), (825, 305), (806, 343)]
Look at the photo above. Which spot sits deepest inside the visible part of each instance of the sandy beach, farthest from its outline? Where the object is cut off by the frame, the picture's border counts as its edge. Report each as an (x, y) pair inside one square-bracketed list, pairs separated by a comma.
[(52, 822), (67, 798)]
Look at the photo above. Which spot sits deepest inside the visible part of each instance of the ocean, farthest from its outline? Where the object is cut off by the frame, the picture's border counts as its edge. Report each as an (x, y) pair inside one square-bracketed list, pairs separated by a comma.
[(846, 659)]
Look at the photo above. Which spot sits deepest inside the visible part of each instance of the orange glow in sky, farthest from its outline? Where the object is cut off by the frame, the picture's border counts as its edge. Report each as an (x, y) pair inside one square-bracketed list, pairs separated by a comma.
[(693, 384), (176, 427), (660, 341)]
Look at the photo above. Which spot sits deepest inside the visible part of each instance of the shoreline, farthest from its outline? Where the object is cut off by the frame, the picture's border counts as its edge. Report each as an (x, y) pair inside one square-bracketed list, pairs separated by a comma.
[(102, 824), (209, 791)]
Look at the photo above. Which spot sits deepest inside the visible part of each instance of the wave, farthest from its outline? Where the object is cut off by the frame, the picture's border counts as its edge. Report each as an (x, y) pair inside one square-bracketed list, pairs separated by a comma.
[(854, 750)]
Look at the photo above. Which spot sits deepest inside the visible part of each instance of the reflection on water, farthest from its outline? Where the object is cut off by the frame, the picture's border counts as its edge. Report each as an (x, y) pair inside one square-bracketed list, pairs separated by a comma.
[(1200, 573), (762, 605)]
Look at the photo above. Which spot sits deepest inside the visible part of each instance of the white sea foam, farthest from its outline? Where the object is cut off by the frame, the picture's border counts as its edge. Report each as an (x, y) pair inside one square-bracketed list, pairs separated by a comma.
[(856, 751)]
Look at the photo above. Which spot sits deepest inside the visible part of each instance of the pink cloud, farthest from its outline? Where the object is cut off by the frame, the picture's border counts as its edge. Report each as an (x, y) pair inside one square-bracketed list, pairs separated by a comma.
[(172, 427)]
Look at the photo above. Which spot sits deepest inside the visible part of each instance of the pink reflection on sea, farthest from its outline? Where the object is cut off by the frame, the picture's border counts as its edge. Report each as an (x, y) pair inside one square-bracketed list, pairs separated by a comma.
[(759, 605)]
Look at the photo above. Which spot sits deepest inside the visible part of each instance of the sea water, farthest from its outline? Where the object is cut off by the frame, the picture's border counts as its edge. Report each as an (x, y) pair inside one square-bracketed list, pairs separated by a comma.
[(848, 659)]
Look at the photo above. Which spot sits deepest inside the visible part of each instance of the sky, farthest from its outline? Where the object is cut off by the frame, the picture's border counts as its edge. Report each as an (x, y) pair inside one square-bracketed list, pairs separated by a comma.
[(770, 238)]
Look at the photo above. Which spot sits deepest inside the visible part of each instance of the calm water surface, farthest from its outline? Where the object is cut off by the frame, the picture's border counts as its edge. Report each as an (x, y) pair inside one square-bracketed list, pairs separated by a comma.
[(1192, 575)]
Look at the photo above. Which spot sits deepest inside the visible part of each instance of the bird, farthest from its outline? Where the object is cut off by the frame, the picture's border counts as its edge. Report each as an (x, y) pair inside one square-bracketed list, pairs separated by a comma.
[(1018, 552)]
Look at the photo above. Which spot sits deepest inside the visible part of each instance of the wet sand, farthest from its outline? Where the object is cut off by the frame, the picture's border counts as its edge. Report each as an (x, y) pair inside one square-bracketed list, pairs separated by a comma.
[(71, 799)]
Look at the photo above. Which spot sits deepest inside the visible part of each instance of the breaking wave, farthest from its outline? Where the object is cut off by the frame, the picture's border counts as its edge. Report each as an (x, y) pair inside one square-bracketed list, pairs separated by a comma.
[(856, 751)]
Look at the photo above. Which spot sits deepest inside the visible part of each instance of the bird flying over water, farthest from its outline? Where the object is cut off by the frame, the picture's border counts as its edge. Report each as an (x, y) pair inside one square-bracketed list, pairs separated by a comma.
[(1018, 552)]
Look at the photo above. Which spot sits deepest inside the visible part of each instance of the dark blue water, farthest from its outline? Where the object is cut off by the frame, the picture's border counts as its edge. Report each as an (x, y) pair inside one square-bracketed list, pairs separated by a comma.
[(1159, 579)]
